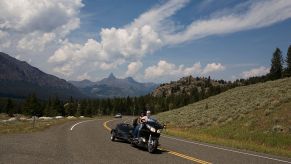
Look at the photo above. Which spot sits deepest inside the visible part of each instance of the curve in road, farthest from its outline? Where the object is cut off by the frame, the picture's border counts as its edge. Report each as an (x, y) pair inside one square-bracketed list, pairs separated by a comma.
[(89, 142), (169, 151), (235, 156)]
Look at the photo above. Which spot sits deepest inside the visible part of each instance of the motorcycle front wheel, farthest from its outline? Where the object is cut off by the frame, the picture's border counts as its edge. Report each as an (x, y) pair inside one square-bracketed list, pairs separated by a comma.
[(152, 146)]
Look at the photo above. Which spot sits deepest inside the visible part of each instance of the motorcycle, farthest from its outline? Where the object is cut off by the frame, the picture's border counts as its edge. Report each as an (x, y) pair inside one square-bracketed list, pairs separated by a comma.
[(149, 134)]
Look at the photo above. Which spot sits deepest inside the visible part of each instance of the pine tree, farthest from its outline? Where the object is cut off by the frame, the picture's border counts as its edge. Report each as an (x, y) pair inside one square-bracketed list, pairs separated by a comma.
[(208, 82), (58, 106), (277, 65), (48, 108), (88, 108), (195, 94), (82, 107), (70, 107), (9, 108), (32, 106), (288, 62)]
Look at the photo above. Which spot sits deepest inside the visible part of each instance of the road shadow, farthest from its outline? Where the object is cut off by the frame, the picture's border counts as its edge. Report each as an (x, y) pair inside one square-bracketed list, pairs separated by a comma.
[(121, 141), (158, 151)]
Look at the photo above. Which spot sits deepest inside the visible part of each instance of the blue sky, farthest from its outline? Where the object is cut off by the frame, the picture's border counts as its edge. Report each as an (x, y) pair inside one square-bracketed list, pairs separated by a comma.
[(150, 40)]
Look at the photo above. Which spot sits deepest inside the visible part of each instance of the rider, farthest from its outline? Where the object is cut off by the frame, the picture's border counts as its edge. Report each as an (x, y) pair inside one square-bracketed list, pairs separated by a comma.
[(148, 113), (142, 119)]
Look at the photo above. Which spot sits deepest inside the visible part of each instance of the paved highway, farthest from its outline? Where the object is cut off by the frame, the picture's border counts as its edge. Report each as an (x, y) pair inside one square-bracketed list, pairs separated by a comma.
[(89, 142)]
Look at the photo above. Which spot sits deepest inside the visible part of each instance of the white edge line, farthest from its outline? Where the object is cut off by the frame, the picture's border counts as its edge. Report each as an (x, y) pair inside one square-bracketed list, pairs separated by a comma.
[(80, 123), (235, 151)]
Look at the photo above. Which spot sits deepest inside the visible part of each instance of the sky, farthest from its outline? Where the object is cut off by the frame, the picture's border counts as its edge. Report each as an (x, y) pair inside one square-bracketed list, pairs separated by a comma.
[(149, 40)]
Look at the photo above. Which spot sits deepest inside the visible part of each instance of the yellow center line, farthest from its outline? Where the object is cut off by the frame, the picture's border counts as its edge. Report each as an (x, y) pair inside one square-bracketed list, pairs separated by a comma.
[(169, 151), (106, 126), (186, 157)]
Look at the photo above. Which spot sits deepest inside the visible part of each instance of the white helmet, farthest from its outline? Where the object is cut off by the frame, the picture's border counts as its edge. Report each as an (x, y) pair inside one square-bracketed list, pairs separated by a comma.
[(148, 112)]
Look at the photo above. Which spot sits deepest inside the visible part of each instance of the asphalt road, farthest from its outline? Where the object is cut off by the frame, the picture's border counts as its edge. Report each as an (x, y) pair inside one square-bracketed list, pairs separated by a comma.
[(89, 142)]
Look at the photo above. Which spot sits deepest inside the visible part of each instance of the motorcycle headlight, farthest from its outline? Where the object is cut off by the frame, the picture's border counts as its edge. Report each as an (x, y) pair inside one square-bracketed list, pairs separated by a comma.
[(159, 130), (152, 129)]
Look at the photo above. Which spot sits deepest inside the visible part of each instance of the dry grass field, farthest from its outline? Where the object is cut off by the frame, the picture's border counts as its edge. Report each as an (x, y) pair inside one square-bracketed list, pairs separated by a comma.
[(255, 117)]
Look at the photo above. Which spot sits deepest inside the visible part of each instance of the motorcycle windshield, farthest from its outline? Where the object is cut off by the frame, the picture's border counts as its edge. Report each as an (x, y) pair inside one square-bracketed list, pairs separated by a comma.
[(152, 119), (154, 124)]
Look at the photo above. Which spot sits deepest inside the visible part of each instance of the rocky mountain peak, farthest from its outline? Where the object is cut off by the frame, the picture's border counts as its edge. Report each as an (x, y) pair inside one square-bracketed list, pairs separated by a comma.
[(130, 79), (115, 87), (111, 76)]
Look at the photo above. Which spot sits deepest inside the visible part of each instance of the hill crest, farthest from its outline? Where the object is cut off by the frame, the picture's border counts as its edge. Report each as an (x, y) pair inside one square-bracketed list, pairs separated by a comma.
[(18, 79)]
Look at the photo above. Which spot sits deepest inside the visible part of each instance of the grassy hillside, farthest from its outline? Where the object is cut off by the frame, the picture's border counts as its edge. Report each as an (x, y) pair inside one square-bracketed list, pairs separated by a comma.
[(255, 117)]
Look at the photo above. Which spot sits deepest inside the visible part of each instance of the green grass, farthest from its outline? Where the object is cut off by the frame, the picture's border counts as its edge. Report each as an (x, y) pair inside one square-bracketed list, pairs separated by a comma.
[(255, 117), (27, 126), (4, 116), (247, 143)]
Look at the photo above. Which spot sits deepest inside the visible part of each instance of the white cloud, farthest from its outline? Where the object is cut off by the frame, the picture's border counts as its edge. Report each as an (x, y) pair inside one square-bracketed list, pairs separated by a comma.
[(65, 70), (111, 65), (33, 25), (195, 69), (71, 58), (131, 42), (4, 39), (115, 45), (213, 67), (133, 68), (41, 15), (3, 34), (84, 76), (158, 16), (70, 52), (255, 72), (259, 14), (43, 26), (154, 29), (163, 68), (36, 41)]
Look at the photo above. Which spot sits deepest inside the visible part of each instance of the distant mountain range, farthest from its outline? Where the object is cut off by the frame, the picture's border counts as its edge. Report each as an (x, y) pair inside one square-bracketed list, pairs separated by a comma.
[(19, 79), (114, 87)]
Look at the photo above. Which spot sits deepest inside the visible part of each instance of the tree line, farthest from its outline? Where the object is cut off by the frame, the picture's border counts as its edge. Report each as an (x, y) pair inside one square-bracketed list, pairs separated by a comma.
[(280, 68), (54, 106), (91, 107)]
